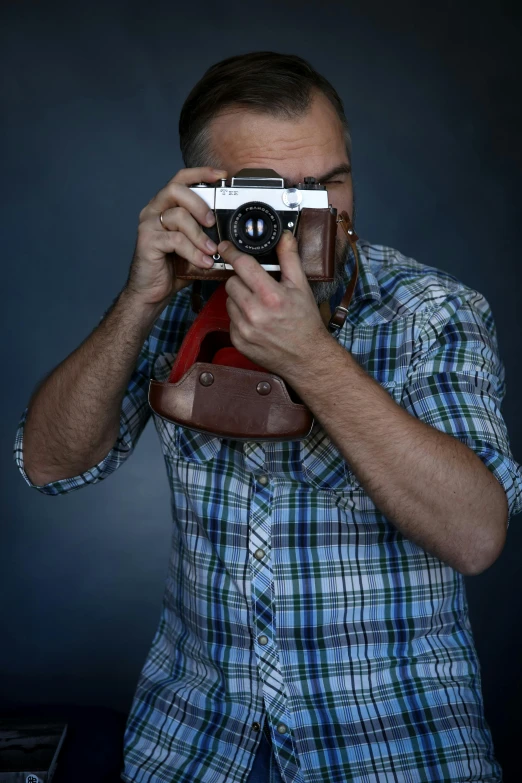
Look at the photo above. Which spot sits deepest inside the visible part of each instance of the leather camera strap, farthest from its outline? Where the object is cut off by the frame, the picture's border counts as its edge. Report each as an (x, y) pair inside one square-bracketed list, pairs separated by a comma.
[(341, 311)]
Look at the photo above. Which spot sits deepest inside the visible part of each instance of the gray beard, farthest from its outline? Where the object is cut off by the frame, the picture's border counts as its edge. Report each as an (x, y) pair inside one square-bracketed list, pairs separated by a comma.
[(323, 291)]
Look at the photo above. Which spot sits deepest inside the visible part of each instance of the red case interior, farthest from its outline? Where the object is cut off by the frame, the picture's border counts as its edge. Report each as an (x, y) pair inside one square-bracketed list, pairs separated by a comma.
[(208, 340)]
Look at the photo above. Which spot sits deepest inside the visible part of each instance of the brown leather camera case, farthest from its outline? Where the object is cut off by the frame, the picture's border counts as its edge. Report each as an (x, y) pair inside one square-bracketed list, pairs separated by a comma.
[(239, 404), (316, 231)]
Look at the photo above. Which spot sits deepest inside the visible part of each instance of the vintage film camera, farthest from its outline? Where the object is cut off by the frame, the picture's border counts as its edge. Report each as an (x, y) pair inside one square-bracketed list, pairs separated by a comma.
[(254, 210)]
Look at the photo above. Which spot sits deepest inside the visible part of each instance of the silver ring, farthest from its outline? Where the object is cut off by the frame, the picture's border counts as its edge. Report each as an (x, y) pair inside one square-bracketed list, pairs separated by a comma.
[(161, 221)]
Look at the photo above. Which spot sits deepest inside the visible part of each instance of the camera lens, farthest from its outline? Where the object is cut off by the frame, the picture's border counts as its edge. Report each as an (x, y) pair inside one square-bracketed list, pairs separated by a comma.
[(255, 228)]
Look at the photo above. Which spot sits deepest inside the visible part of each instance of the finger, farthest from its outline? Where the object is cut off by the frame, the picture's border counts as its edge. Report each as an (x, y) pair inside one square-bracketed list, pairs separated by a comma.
[(249, 270), (292, 272), (234, 312), (177, 242), (196, 175), (176, 193), (178, 219), (235, 337), (239, 293)]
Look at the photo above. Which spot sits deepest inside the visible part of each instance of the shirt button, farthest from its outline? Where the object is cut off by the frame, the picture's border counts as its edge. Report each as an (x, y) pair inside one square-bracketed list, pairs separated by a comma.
[(263, 639), (282, 729), (259, 554), (263, 480), (256, 726)]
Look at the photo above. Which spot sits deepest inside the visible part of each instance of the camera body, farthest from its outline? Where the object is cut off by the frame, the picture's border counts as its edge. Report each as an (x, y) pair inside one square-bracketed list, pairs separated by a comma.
[(253, 211)]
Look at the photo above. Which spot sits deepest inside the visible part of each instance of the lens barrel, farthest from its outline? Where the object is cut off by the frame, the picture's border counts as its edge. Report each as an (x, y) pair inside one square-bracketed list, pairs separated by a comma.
[(255, 228)]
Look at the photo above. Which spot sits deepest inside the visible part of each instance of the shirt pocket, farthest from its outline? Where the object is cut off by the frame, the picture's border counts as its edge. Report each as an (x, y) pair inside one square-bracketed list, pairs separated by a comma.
[(324, 467), (178, 442), (196, 446), (183, 444)]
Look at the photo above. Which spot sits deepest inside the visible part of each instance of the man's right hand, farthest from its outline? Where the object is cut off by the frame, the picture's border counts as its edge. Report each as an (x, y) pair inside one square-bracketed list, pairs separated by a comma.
[(151, 276)]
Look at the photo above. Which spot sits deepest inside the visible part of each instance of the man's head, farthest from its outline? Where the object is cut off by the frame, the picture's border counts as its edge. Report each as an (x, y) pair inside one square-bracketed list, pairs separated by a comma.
[(269, 110)]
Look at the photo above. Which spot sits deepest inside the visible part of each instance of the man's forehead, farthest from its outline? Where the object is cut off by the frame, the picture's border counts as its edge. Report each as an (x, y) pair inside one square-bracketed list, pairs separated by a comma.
[(307, 145)]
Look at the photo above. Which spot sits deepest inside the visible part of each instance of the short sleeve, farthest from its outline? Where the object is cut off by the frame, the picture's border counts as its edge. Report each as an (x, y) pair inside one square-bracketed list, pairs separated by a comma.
[(456, 383), (134, 415)]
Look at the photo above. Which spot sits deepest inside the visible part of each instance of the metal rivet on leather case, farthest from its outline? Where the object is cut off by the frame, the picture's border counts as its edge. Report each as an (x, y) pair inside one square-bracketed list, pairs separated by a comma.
[(206, 379), (263, 388)]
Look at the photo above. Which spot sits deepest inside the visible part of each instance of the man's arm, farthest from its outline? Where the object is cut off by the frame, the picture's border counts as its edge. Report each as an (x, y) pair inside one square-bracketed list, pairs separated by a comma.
[(433, 487), (73, 417)]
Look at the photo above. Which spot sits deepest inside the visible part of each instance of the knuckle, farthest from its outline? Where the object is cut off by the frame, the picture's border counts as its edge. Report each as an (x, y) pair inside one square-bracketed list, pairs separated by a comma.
[(173, 190), (252, 315), (180, 215), (245, 330), (176, 239), (143, 231), (230, 286), (179, 176), (234, 335), (272, 300)]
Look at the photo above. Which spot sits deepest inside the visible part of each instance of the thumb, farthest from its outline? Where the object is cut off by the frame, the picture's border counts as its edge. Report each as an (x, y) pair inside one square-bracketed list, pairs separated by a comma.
[(291, 266)]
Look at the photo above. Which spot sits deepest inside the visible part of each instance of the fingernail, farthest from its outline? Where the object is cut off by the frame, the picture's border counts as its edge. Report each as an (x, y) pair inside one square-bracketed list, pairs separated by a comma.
[(209, 218), (208, 261), (219, 171), (223, 247), (210, 245)]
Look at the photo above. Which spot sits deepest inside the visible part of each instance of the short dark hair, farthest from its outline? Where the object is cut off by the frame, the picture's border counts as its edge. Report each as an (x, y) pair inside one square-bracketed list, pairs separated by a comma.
[(282, 85)]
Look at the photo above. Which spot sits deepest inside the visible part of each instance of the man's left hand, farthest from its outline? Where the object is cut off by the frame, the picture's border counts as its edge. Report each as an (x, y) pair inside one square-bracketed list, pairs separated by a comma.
[(275, 324)]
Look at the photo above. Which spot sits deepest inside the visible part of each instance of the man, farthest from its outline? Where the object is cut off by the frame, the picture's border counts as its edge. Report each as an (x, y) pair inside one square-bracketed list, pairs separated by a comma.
[(315, 587)]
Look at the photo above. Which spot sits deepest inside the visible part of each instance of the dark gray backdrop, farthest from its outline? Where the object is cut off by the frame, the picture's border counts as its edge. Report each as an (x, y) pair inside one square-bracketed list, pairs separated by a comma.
[(91, 97)]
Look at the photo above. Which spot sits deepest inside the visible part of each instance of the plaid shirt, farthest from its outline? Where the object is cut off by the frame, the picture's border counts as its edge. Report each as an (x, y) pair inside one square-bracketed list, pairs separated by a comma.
[(289, 595)]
